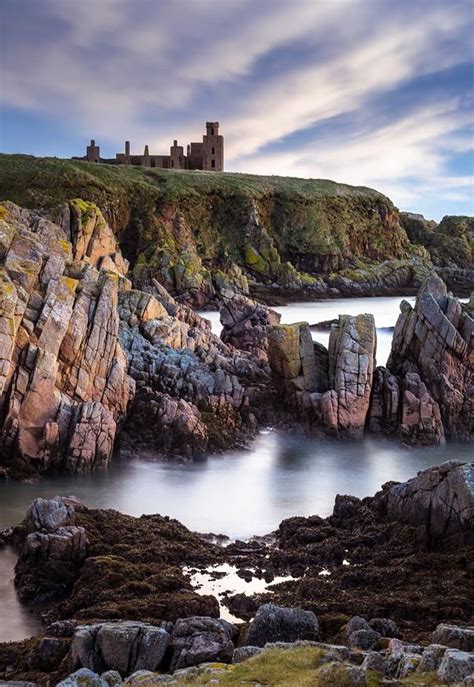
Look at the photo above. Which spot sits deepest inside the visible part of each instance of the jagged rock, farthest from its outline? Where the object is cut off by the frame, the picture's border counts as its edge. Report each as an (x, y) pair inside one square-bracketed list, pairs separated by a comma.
[(199, 639), (351, 365), (277, 624), (51, 549), (421, 422), (58, 348), (439, 501), (124, 647), (292, 358), (455, 666), (454, 636), (384, 416), (434, 339), (245, 322)]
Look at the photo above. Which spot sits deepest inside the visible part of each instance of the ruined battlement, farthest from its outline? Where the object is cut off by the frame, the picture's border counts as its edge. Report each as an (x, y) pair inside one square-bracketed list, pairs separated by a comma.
[(207, 155)]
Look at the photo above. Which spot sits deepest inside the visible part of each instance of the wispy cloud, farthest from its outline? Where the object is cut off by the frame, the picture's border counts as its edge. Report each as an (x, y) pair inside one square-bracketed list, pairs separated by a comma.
[(363, 91)]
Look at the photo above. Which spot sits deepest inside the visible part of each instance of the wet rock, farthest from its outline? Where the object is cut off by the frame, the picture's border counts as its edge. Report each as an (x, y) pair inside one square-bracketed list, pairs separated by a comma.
[(454, 636), (275, 623), (420, 423), (439, 501), (199, 639), (455, 666), (51, 651)]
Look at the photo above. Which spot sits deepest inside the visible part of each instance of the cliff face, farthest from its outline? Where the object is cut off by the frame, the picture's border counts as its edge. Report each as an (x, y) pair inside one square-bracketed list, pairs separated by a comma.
[(198, 232)]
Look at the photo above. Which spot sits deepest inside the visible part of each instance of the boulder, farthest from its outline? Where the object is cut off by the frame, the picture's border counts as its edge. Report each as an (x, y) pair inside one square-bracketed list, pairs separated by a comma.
[(278, 624), (120, 646), (83, 678), (367, 640), (199, 639), (455, 666), (341, 674), (431, 658), (454, 637), (242, 653), (439, 502), (385, 627)]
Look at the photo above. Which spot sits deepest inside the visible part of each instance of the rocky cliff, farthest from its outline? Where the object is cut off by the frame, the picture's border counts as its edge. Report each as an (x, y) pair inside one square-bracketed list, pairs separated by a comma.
[(90, 350), (197, 233)]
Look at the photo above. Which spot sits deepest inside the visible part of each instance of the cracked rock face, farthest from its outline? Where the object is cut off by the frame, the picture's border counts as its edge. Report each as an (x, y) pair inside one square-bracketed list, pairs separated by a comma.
[(63, 381), (435, 340), (439, 501)]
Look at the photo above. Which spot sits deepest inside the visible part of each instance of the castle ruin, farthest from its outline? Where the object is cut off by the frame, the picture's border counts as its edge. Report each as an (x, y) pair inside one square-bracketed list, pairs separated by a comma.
[(207, 155)]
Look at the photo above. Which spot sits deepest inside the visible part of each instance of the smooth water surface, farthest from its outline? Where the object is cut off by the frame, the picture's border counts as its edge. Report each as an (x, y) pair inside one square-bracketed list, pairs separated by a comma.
[(239, 493), (384, 309)]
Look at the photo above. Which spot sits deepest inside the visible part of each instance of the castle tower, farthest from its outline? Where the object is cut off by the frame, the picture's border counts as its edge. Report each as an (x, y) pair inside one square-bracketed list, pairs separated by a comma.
[(213, 148), (126, 158), (146, 157), (93, 152), (177, 159)]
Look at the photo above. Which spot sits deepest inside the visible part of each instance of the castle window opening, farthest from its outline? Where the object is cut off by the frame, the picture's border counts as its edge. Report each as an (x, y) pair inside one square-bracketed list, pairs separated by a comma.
[(212, 132), (213, 150), (213, 163)]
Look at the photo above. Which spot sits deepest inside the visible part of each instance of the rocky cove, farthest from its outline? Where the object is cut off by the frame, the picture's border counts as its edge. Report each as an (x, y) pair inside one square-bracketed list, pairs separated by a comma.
[(103, 354)]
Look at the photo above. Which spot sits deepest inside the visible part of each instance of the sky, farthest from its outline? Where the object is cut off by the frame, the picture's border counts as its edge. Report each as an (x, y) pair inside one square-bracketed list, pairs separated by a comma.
[(377, 93)]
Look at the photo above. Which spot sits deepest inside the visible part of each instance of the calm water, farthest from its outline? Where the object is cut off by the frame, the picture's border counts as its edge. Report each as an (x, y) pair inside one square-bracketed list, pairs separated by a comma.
[(239, 493), (384, 310)]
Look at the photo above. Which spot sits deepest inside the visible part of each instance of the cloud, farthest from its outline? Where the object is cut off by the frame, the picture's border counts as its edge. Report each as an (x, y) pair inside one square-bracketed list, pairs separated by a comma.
[(272, 71)]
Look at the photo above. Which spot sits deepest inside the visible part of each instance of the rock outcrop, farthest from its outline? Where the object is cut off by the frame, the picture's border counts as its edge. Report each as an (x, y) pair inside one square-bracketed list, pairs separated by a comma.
[(52, 548), (64, 387), (276, 624), (439, 502), (434, 340)]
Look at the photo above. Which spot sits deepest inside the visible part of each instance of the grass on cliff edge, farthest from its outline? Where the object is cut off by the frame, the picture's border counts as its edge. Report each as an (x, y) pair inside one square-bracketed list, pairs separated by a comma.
[(43, 182)]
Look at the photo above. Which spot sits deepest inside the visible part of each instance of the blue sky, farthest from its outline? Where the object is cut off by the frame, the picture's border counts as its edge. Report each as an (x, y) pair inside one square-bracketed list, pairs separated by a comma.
[(370, 92)]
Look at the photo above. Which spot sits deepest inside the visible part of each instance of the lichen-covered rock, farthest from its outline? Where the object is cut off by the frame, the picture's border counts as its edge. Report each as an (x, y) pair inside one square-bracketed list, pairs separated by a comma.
[(341, 674), (352, 346), (439, 501), (278, 624), (435, 340), (199, 639), (292, 358), (83, 678), (124, 647), (61, 366), (455, 666)]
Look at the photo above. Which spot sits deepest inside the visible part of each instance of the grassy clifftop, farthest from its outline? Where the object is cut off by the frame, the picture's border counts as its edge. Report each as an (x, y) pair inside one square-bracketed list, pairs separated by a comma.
[(192, 228)]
